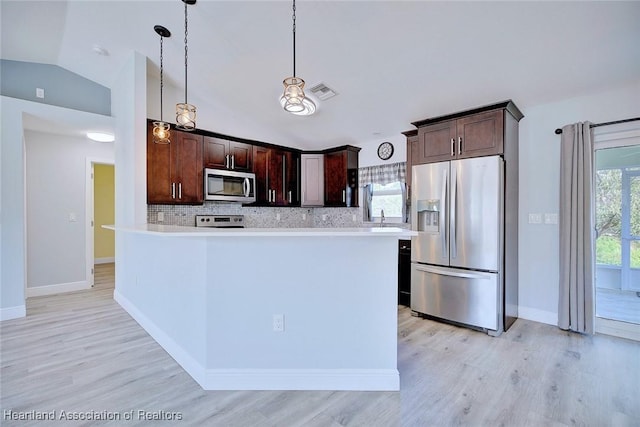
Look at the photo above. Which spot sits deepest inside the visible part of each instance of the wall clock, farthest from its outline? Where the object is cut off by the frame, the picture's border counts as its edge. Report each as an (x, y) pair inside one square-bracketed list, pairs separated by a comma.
[(385, 150)]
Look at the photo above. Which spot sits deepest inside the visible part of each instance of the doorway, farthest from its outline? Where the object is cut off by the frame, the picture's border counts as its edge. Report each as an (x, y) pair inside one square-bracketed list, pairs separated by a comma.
[(100, 207), (617, 212)]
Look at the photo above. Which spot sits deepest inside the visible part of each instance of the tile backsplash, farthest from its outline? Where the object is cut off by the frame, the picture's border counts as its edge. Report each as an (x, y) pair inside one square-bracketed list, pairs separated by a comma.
[(259, 217)]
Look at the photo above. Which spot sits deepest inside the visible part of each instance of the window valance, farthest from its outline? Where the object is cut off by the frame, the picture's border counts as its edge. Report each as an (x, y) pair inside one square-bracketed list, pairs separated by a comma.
[(382, 174)]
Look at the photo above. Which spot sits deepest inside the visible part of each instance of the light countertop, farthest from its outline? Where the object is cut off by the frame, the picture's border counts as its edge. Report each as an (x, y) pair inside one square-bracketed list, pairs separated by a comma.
[(182, 231)]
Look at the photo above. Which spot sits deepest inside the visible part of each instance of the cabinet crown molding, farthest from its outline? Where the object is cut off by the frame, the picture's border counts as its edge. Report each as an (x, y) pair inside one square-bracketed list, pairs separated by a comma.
[(504, 105)]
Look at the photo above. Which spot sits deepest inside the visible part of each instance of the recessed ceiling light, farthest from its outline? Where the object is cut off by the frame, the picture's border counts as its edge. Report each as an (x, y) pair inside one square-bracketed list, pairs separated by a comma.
[(100, 50), (101, 136)]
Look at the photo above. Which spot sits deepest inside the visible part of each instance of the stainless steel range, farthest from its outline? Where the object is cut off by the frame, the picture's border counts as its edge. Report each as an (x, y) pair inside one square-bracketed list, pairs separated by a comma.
[(220, 221)]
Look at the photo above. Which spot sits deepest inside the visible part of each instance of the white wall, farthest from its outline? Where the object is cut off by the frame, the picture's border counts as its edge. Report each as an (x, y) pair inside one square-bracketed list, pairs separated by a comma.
[(56, 181), (129, 107), (369, 153), (211, 115), (539, 189), (12, 237)]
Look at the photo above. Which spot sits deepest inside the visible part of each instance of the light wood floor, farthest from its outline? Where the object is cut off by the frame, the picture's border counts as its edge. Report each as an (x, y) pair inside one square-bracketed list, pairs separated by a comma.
[(82, 352), (615, 304)]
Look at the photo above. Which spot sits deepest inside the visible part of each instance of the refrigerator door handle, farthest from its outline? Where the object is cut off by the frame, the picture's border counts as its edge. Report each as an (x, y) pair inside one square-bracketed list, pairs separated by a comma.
[(445, 272), (443, 222), (452, 214)]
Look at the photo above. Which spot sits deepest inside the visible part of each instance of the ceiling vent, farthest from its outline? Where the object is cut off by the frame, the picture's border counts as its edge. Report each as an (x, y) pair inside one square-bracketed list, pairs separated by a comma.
[(323, 92)]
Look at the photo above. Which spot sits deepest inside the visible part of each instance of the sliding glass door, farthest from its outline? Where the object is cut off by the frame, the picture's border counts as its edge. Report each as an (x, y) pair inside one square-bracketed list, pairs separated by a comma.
[(617, 208)]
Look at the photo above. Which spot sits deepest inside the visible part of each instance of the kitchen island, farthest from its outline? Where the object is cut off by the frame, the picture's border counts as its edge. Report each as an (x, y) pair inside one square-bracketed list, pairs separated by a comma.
[(268, 309)]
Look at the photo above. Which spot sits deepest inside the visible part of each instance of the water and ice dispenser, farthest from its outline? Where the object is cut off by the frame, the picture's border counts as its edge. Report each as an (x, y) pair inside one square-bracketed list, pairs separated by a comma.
[(429, 215)]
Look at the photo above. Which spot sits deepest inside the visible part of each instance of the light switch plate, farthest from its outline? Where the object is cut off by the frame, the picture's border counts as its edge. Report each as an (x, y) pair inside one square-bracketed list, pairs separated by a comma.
[(551, 218), (535, 218)]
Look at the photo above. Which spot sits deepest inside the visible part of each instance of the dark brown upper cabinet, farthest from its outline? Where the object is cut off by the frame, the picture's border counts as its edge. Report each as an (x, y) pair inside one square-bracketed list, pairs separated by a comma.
[(174, 171), (277, 176), (341, 177), (224, 154), (412, 152), (474, 133)]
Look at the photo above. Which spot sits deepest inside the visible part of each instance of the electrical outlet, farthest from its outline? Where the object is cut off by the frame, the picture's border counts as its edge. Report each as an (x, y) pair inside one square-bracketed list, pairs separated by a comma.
[(304, 216), (39, 92), (324, 217), (278, 323), (160, 216), (550, 218), (277, 217), (354, 217)]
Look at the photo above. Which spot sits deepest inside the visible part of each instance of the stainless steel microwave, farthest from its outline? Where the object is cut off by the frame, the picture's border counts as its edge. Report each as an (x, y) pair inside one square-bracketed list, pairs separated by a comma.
[(230, 186)]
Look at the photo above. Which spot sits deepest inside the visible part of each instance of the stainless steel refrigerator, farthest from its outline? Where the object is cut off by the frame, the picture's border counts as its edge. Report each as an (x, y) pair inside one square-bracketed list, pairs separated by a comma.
[(457, 259)]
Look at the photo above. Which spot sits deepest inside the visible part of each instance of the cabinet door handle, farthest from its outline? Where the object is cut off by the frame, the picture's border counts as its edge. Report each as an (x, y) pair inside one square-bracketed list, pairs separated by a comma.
[(453, 145), (344, 196), (233, 161), (173, 190), (289, 196), (180, 191), (246, 187), (226, 161), (284, 175), (459, 145)]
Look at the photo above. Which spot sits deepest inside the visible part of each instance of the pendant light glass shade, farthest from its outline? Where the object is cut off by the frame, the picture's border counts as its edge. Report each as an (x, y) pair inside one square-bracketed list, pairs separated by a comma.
[(185, 116), (293, 94), (161, 129), (161, 133), (293, 99), (185, 112), (308, 106)]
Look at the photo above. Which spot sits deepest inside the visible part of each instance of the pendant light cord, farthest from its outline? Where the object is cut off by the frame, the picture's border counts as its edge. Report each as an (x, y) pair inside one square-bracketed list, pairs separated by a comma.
[(294, 38), (161, 78), (185, 52)]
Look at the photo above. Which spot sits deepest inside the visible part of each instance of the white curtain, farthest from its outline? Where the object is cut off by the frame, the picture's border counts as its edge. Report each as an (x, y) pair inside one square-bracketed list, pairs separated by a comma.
[(576, 300)]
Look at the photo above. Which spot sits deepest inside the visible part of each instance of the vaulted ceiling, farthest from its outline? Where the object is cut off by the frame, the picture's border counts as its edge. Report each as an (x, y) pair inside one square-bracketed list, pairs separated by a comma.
[(391, 62)]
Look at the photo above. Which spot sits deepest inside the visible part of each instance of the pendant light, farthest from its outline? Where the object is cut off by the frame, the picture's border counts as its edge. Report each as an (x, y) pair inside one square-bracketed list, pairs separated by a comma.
[(293, 99), (161, 129), (185, 112)]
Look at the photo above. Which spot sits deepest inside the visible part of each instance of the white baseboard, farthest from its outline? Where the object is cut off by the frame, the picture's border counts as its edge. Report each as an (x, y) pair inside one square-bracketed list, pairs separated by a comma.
[(60, 288), (548, 317), (626, 330), (184, 359), (302, 379), (106, 260), (265, 379), (16, 312)]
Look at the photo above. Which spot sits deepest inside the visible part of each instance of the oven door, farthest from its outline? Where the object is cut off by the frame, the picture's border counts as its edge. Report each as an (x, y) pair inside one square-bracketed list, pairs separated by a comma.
[(230, 186)]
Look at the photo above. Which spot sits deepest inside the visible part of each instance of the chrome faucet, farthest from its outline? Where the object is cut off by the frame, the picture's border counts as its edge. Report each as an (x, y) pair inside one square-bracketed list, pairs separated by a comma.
[(381, 217)]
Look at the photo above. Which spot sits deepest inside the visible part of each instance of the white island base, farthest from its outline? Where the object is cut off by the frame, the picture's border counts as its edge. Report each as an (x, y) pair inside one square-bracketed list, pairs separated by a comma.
[(209, 299)]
